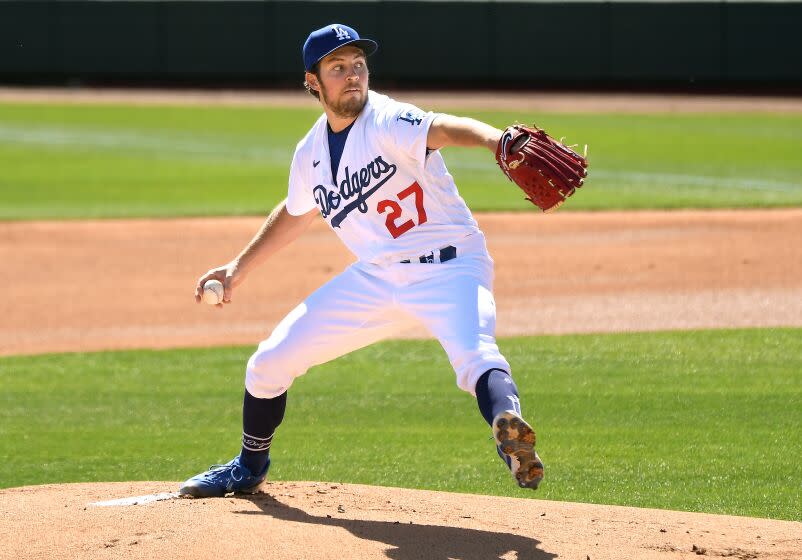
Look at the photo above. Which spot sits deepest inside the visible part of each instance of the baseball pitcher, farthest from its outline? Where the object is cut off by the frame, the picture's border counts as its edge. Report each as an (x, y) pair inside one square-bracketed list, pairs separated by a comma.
[(371, 167)]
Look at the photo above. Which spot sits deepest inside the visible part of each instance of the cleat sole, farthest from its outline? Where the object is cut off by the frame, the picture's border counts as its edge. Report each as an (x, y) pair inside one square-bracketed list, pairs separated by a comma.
[(517, 439)]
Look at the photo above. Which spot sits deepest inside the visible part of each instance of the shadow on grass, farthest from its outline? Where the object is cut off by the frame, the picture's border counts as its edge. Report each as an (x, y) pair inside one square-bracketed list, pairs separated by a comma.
[(412, 541)]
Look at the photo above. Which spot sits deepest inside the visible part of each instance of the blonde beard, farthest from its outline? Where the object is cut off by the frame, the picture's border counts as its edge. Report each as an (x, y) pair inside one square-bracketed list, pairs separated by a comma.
[(346, 110)]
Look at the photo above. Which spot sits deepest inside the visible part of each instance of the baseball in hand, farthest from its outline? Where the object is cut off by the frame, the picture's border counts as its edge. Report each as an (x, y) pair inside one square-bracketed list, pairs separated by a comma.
[(213, 292)]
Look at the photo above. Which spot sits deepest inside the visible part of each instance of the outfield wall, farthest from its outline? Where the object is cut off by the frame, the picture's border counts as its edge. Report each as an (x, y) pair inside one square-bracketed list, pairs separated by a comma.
[(489, 43)]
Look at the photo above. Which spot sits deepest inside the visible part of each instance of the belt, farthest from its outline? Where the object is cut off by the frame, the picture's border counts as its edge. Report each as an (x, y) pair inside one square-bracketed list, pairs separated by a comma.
[(442, 255)]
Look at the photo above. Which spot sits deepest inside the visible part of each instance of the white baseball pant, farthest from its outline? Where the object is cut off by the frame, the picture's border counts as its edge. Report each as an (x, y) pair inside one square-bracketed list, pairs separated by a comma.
[(368, 302)]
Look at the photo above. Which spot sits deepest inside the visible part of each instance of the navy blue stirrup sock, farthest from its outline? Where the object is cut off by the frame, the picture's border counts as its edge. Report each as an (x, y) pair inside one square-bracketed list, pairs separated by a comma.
[(260, 418), (496, 392)]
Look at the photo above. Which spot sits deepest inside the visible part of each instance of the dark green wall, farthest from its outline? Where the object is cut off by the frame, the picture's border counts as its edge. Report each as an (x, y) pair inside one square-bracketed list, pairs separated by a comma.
[(469, 42)]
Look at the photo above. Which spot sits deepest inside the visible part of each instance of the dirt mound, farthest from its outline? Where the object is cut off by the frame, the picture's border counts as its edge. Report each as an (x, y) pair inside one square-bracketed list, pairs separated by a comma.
[(299, 520)]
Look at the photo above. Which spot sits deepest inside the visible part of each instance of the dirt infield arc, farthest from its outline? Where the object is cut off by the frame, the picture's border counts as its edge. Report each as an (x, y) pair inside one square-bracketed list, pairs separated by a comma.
[(129, 284)]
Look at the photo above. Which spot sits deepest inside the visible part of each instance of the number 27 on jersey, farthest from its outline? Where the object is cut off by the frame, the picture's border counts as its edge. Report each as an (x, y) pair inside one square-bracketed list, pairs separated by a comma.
[(394, 211)]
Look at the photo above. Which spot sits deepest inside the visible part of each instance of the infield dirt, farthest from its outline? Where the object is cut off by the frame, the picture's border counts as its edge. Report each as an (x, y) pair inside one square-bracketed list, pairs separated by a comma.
[(116, 284)]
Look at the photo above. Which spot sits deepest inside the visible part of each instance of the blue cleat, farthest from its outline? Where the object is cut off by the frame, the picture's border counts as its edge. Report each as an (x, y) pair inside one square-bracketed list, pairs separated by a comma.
[(219, 480), (515, 443)]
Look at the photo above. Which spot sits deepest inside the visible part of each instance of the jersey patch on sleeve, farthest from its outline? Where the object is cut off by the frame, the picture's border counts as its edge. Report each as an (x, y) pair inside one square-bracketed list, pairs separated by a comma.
[(414, 117)]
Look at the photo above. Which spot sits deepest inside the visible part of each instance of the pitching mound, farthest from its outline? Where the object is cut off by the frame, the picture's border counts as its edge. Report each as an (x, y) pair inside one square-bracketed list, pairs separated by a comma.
[(299, 520)]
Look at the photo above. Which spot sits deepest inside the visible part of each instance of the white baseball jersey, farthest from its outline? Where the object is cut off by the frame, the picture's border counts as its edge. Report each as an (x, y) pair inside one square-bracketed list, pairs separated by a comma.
[(390, 198), (391, 203)]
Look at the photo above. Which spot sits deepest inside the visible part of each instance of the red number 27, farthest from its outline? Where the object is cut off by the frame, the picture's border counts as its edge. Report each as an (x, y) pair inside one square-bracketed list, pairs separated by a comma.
[(395, 209)]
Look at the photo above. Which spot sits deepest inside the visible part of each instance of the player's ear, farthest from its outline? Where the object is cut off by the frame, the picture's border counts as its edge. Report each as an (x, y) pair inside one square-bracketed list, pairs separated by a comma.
[(311, 79)]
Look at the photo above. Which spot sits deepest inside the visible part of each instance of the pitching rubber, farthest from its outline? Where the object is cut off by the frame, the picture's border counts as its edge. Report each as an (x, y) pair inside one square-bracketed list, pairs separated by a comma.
[(516, 439)]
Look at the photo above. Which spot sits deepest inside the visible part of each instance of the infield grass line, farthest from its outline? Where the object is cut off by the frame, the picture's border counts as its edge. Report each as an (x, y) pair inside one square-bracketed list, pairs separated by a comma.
[(705, 421)]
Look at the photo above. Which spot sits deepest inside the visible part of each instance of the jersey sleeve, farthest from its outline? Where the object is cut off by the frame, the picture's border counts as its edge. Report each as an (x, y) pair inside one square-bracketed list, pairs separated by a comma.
[(299, 193), (407, 128)]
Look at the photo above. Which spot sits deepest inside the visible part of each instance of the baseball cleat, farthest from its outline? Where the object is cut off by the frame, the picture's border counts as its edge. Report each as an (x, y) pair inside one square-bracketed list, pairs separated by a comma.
[(219, 480), (515, 443)]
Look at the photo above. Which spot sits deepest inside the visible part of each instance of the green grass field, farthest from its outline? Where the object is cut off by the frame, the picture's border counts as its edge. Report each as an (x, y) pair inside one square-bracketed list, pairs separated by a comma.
[(703, 421), (82, 161)]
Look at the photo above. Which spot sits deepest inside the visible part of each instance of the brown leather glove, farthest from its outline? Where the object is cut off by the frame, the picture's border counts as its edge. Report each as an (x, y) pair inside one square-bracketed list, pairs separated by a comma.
[(545, 169)]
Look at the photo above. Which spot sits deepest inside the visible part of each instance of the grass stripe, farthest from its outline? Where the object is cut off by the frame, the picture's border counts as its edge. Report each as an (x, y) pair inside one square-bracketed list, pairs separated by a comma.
[(86, 161), (701, 421)]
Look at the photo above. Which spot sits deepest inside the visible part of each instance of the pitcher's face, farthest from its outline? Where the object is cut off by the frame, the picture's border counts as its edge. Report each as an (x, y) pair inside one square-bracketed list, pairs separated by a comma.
[(343, 83)]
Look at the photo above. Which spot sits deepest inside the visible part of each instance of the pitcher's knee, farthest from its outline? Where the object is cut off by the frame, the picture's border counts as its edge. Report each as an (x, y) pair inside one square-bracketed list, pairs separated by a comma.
[(473, 356), (270, 372), (469, 374)]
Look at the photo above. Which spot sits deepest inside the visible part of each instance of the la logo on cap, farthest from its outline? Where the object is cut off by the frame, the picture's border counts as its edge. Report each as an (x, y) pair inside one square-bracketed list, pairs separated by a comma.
[(341, 33)]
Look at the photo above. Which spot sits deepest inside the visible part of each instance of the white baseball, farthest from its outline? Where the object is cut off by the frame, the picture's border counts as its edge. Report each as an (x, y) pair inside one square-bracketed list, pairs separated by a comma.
[(213, 292)]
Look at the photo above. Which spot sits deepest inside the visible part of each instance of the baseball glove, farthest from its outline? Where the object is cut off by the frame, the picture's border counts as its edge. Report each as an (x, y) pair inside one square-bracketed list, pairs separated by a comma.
[(544, 168)]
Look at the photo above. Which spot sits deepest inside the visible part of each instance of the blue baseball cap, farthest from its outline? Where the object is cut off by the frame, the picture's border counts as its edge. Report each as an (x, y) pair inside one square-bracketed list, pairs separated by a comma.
[(328, 39)]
